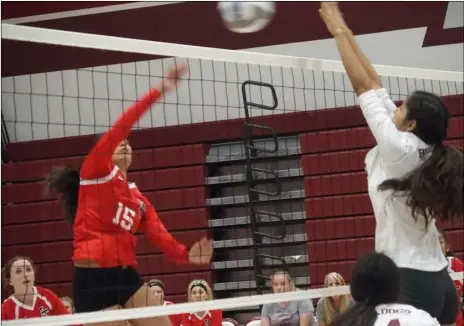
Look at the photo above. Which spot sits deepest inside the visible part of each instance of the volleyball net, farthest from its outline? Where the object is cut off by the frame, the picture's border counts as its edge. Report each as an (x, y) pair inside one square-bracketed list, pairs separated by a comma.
[(262, 153)]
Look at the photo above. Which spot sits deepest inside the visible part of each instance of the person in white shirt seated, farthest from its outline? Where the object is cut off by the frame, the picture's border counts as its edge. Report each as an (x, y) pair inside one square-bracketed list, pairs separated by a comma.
[(376, 288), (413, 177)]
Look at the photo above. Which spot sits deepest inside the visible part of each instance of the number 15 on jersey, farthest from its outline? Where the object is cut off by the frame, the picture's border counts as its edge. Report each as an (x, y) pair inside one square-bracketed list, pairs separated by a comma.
[(124, 217)]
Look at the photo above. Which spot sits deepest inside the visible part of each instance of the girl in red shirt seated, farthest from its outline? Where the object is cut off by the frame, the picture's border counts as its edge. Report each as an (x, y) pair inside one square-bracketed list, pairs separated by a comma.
[(157, 287), (27, 300), (106, 212), (455, 265), (199, 290)]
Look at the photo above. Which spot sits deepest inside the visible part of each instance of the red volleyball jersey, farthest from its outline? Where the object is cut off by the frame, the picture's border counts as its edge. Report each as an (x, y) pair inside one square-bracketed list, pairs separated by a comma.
[(456, 265), (176, 320), (110, 209), (210, 318), (45, 303)]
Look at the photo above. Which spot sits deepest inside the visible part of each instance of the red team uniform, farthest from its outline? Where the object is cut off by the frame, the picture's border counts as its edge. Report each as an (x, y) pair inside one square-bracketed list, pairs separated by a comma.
[(111, 210), (45, 303), (176, 320), (210, 318), (455, 266)]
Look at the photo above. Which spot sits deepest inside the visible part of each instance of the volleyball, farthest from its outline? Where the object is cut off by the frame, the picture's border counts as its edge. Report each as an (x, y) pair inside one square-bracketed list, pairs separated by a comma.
[(246, 17)]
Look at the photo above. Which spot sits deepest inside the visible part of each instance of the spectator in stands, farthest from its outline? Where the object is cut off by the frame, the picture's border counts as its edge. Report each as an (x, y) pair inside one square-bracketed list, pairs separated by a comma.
[(157, 287), (413, 177), (376, 288), (69, 304), (27, 300), (106, 211), (199, 290), (294, 313), (330, 307), (455, 265)]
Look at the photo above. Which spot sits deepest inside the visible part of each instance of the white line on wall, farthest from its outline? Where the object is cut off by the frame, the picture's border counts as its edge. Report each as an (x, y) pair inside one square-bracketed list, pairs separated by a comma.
[(89, 11)]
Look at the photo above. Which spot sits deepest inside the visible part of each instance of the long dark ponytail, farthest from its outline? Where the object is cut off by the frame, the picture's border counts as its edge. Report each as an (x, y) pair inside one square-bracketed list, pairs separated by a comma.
[(375, 280), (434, 189), (64, 181)]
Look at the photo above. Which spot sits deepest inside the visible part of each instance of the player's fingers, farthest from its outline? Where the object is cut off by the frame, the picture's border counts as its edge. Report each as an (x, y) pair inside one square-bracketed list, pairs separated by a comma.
[(202, 242), (182, 68), (209, 249), (209, 246), (325, 5), (179, 72), (323, 12), (174, 71), (207, 254), (206, 247)]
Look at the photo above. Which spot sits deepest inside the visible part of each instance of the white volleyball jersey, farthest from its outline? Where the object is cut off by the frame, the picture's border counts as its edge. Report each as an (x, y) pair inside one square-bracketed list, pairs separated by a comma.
[(397, 153), (403, 315)]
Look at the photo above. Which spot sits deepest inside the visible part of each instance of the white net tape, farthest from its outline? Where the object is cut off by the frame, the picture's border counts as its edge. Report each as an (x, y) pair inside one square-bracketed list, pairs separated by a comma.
[(111, 43), (223, 304)]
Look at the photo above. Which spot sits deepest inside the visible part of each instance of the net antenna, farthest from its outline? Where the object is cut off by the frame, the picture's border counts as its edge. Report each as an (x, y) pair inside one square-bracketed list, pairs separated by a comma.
[(253, 174)]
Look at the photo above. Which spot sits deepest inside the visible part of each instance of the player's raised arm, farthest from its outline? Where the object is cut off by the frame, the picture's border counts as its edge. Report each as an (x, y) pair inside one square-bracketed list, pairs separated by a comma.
[(157, 234), (97, 162), (391, 142), (370, 70), (358, 76), (363, 59)]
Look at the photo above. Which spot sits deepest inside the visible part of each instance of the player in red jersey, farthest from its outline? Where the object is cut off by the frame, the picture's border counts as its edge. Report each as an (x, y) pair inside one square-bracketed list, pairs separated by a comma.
[(455, 265), (157, 287), (199, 290), (106, 211), (27, 300)]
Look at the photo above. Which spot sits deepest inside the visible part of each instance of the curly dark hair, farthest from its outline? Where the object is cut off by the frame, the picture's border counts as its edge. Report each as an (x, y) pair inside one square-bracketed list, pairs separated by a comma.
[(64, 180)]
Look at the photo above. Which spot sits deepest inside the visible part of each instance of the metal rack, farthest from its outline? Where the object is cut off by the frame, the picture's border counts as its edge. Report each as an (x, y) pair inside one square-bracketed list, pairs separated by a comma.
[(251, 152)]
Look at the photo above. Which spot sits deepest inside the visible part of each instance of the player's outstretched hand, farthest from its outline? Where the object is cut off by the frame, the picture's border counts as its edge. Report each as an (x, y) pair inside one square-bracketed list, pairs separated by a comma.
[(332, 17), (172, 77), (201, 252)]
